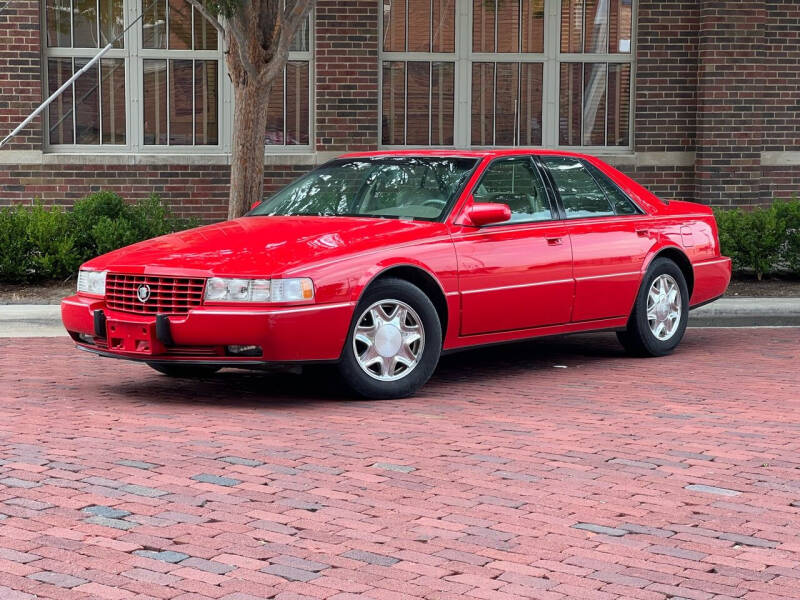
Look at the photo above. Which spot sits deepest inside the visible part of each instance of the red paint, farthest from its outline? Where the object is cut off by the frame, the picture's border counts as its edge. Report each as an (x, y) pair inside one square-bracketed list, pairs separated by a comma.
[(502, 282)]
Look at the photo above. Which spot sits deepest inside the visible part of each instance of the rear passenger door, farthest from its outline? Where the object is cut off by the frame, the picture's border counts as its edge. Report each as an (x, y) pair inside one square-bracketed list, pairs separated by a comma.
[(609, 236)]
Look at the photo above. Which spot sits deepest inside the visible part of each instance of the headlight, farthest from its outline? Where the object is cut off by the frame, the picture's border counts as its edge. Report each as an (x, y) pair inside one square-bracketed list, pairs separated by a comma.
[(219, 289), (92, 282)]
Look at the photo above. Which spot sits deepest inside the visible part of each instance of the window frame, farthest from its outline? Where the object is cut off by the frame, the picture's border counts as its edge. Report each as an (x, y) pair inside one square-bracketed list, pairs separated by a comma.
[(551, 58), (133, 54)]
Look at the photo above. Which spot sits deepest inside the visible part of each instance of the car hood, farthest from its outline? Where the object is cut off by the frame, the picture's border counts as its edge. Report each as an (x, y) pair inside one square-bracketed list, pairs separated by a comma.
[(262, 245)]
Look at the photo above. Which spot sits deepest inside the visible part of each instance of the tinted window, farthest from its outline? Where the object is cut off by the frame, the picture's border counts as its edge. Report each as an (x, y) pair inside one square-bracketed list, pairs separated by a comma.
[(621, 203), (580, 193), (516, 183)]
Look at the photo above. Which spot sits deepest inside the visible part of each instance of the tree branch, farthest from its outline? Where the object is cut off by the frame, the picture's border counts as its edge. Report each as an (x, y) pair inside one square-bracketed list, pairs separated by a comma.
[(291, 20), (205, 12)]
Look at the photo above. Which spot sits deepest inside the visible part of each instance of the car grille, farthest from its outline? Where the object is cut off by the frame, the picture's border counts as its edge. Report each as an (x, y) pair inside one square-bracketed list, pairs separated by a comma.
[(168, 295)]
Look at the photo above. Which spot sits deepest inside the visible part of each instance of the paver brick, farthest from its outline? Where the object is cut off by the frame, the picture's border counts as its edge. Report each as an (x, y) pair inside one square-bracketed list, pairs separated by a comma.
[(216, 479), (509, 455)]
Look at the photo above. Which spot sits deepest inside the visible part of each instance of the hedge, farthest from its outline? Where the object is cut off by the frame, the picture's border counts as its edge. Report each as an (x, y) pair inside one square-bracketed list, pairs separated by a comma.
[(762, 241), (40, 243)]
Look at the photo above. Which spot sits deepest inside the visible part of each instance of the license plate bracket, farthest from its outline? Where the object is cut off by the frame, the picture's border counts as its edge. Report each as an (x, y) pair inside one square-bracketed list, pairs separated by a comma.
[(135, 338)]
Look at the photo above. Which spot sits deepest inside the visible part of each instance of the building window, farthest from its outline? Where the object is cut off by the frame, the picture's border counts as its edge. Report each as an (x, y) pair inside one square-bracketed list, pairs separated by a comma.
[(288, 112), (161, 86), (506, 73)]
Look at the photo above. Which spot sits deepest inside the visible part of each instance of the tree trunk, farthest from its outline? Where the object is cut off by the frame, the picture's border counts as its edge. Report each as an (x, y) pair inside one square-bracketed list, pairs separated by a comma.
[(247, 160)]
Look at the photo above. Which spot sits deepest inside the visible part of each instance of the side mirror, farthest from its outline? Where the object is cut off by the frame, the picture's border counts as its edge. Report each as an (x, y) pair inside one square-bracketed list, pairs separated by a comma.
[(254, 204), (488, 213)]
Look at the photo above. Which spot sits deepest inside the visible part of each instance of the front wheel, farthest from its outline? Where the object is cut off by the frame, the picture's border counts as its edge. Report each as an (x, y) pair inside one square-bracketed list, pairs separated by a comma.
[(394, 342), (184, 371), (660, 314)]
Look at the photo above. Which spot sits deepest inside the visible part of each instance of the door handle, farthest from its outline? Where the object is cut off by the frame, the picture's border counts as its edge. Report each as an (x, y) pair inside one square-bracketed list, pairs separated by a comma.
[(643, 232), (554, 241)]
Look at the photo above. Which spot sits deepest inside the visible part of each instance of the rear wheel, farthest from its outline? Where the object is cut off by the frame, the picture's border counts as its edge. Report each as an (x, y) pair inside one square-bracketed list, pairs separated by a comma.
[(394, 342), (187, 371), (658, 321)]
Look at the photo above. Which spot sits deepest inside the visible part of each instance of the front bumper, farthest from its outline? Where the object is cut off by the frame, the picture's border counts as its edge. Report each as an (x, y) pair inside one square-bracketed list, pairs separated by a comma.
[(285, 334)]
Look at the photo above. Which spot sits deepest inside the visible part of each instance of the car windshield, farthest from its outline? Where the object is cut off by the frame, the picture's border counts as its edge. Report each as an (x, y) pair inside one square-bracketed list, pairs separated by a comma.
[(390, 187)]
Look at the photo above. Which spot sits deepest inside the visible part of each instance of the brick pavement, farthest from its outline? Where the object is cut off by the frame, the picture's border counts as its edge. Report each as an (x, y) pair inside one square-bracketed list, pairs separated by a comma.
[(508, 477)]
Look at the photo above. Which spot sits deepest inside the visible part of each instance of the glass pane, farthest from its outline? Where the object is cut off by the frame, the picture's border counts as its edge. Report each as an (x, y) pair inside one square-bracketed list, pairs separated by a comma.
[(506, 104), (579, 192), (442, 86), (619, 105), (621, 25), (444, 29), (572, 25), (274, 134), (155, 101), (205, 102), (181, 77), (154, 25), (300, 41), (594, 104), (180, 25), (419, 25), (515, 183), (111, 22), (394, 25), (508, 26), (84, 23), (297, 103), (87, 104), (205, 34), (570, 95), (60, 110), (621, 203), (483, 12), (533, 26), (596, 20), (482, 104), (530, 105), (112, 91), (418, 103), (393, 117), (58, 23)]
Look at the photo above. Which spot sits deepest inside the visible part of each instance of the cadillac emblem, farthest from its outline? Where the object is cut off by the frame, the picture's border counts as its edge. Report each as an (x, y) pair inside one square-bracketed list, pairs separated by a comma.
[(143, 293)]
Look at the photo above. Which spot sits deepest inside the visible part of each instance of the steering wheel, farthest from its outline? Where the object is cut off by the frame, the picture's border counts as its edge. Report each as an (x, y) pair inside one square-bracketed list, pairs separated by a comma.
[(434, 202)]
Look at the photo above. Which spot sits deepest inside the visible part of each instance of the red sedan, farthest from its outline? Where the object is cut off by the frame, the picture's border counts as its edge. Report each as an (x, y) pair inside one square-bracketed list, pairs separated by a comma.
[(379, 262)]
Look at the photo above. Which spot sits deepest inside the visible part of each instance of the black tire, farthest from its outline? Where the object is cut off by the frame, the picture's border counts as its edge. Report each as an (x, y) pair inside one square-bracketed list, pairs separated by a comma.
[(638, 339), (184, 371), (367, 386)]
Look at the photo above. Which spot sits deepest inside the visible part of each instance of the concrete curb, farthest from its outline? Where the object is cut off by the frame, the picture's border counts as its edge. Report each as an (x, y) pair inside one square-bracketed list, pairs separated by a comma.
[(44, 320)]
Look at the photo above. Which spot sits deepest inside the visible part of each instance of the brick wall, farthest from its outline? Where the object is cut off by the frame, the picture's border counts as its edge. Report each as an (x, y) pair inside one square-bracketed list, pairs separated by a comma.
[(717, 80), (20, 75)]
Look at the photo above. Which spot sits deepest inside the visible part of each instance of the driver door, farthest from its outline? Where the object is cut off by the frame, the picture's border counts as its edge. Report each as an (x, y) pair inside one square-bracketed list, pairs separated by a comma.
[(518, 274)]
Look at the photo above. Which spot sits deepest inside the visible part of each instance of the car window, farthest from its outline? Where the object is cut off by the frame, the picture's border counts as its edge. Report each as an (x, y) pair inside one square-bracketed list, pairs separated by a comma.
[(621, 203), (580, 193), (515, 182)]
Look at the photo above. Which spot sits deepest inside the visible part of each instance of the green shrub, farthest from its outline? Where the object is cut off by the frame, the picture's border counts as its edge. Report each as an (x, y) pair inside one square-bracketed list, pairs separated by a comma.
[(49, 243), (763, 240)]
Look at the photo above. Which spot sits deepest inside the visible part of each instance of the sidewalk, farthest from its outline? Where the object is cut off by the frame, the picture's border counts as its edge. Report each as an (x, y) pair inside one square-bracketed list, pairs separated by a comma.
[(36, 320)]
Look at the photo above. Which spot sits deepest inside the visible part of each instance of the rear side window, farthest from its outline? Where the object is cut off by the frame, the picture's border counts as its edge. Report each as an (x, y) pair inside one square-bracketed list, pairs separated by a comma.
[(580, 193), (621, 203)]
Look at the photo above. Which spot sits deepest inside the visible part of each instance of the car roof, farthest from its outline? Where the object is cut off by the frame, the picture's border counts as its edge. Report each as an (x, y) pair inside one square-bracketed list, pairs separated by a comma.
[(444, 152)]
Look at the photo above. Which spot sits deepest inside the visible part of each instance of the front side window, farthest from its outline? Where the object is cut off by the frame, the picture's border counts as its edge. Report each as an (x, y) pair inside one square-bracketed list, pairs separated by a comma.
[(515, 182), (580, 194), (402, 187), (161, 84), (485, 73)]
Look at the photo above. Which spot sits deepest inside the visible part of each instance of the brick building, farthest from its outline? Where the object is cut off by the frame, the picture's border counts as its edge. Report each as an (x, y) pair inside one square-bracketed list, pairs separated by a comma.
[(698, 99)]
